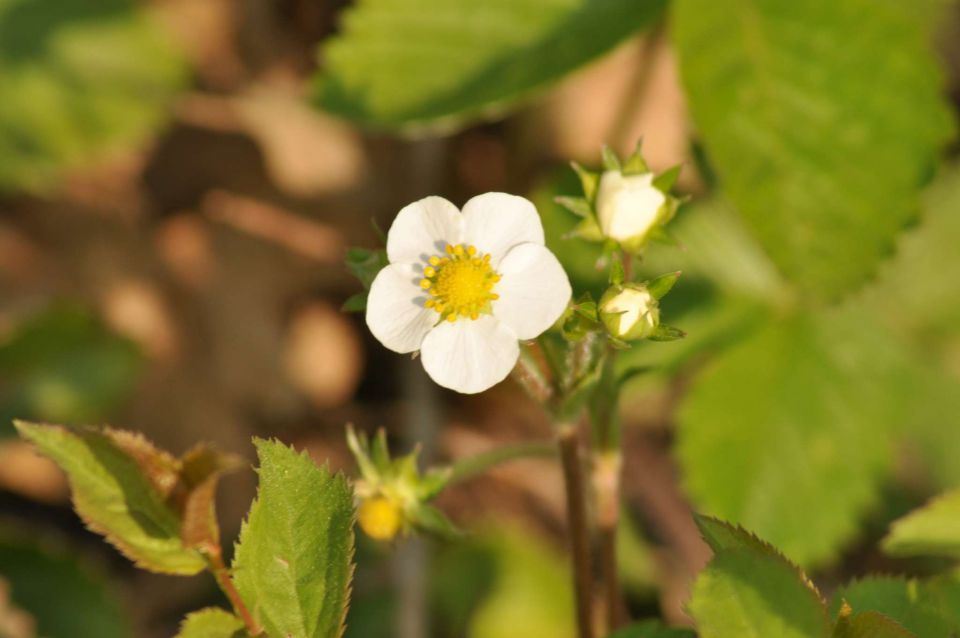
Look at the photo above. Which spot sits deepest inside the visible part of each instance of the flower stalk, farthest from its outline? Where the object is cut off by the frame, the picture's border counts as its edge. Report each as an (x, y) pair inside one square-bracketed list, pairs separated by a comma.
[(480, 463), (224, 580), (579, 531)]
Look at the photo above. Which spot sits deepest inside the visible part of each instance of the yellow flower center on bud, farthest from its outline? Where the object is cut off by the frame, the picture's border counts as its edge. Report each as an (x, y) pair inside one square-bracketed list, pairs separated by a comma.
[(461, 283), (380, 518)]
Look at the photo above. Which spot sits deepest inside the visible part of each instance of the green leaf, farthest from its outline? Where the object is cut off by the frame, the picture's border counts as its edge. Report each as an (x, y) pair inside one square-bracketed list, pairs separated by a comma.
[(294, 559), (79, 82), (364, 264), (117, 495), (744, 592), (790, 432), (822, 119), (722, 536), (62, 365), (652, 629), (355, 303), (870, 624), (902, 600), (931, 530), (212, 623), (411, 64), (57, 590)]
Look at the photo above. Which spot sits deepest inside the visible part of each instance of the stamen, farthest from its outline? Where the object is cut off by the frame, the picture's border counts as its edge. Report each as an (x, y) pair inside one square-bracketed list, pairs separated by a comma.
[(460, 284)]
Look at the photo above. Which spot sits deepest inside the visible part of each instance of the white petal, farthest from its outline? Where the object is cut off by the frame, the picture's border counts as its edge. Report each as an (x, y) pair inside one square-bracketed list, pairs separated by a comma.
[(496, 222), (395, 312), (470, 356), (534, 290), (422, 229)]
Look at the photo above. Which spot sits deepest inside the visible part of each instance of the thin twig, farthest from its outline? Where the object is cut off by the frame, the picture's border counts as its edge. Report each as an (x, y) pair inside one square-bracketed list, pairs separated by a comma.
[(225, 581), (636, 91), (472, 465), (568, 442)]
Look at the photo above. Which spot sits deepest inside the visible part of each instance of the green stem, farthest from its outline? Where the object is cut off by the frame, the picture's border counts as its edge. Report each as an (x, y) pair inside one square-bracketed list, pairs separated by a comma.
[(480, 463)]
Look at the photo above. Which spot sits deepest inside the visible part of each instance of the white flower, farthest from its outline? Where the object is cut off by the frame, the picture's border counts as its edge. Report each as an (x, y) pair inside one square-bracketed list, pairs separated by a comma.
[(463, 288), (630, 312), (628, 206)]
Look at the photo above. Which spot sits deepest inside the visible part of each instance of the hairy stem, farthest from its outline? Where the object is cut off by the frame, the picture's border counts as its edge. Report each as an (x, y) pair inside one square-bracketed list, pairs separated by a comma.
[(579, 532), (225, 581), (480, 463)]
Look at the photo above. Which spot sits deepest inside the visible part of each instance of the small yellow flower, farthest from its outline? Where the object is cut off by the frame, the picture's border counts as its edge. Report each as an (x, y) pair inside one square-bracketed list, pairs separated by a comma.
[(380, 518)]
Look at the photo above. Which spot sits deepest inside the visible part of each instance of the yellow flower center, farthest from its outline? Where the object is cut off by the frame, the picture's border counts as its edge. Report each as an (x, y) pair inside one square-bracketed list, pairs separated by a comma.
[(461, 283), (380, 518)]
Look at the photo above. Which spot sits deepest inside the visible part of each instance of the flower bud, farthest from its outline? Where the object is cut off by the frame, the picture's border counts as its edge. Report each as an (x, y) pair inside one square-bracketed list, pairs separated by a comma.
[(380, 518), (630, 311), (628, 206)]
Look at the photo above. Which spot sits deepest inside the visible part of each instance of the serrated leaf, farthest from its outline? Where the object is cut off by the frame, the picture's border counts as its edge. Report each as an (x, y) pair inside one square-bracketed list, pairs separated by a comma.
[(294, 559), (79, 82), (902, 600), (413, 64), (195, 496), (115, 498), (722, 536), (870, 624), (798, 459), (933, 529), (212, 623), (743, 592), (822, 119), (652, 629)]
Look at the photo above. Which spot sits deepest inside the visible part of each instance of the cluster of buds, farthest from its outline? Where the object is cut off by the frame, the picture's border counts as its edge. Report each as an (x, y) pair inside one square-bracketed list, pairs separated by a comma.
[(392, 495), (626, 204)]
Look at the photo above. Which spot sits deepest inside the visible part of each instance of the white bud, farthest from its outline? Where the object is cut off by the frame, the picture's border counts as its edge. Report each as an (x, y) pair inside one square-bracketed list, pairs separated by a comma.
[(628, 206), (630, 312)]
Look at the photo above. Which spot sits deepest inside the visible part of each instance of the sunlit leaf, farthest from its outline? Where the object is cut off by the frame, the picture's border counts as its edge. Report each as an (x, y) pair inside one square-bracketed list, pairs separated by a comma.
[(790, 432), (212, 623), (294, 559), (903, 601), (411, 64)]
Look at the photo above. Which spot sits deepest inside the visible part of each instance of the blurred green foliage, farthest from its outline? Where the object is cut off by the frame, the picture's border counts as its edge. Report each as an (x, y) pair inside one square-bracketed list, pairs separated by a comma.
[(62, 365), (414, 64), (81, 79), (503, 582), (58, 591)]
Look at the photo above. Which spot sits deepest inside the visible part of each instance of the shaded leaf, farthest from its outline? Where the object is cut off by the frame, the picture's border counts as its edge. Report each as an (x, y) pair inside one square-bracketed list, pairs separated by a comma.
[(902, 600), (870, 624), (62, 365), (933, 529), (817, 401), (293, 561), (57, 590), (822, 120), (411, 64), (652, 629)]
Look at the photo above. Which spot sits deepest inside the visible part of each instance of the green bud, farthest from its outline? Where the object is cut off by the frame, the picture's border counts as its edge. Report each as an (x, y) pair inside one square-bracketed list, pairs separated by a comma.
[(630, 312)]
